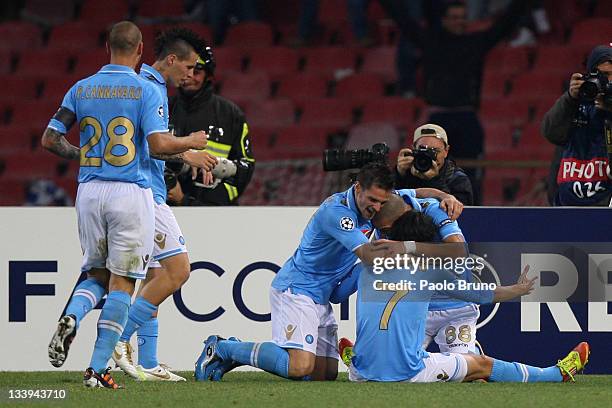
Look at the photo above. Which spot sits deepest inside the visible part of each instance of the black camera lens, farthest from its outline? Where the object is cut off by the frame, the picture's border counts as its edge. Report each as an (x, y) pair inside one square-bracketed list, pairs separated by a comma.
[(422, 163), (336, 159), (588, 90)]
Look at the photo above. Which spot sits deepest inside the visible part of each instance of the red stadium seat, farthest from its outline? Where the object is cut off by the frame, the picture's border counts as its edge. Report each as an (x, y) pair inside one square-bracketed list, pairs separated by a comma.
[(157, 8), (494, 85), (45, 62), (534, 144), (23, 85), (32, 165), (333, 11), (6, 62), (276, 112), (592, 31), (394, 110), (34, 113), (65, 37), (245, 88), (50, 12), (15, 138), (104, 12), (364, 135), (326, 112), (55, 88), (514, 111), (498, 137), (301, 142), (90, 62), (328, 60), (12, 192), (360, 87), (560, 58), (507, 61), (249, 34), (202, 30), (275, 61), (381, 61), (536, 85), (17, 35), (303, 86), (229, 60)]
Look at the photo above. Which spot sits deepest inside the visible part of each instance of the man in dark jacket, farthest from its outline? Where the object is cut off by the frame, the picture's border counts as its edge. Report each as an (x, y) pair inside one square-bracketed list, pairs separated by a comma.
[(579, 127), (443, 174), (453, 62), (197, 107)]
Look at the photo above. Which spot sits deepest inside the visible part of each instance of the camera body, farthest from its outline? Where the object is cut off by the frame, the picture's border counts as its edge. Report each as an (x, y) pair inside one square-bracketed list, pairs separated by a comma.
[(337, 159), (595, 83), (423, 158)]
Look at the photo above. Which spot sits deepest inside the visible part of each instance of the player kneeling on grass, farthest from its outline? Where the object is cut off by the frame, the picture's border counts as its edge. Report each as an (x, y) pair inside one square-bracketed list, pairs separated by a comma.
[(303, 325), (391, 328)]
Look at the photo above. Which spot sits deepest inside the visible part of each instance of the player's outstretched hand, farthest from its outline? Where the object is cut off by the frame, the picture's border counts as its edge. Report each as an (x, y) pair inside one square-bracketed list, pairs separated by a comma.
[(452, 206), (199, 140), (201, 160), (524, 285)]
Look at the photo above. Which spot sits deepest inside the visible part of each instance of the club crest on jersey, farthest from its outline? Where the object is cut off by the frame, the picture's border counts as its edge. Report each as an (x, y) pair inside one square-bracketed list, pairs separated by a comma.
[(347, 223)]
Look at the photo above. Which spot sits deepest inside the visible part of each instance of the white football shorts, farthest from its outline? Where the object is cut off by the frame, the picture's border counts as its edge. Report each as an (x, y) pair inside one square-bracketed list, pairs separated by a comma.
[(439, 367), (299, 323), (454, 330), (169, 240), (116, 223)]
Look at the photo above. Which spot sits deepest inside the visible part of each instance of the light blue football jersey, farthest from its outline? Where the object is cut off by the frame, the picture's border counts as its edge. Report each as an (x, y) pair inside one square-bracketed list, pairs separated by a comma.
[(158, 185), (445, 227), (391, 323), (326, 251), (116, 111)]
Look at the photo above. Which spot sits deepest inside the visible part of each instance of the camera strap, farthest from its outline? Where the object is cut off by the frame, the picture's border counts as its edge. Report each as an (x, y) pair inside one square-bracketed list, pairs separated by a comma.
[(608, 136)]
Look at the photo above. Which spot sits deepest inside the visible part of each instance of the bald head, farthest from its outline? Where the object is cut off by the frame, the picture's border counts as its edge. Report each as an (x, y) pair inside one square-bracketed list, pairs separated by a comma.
[(389, 212), (124, 38)]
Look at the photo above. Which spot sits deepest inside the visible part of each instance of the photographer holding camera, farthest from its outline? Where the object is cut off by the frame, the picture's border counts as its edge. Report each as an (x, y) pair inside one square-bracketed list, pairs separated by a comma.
[(427, 165), (580, 122), (197, 107)]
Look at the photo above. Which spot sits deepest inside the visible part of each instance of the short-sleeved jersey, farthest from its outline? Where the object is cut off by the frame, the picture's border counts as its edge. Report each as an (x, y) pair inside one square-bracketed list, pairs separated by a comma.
[(445, 227), (326, 251), (158, 185), (116, 111), (391, 324)]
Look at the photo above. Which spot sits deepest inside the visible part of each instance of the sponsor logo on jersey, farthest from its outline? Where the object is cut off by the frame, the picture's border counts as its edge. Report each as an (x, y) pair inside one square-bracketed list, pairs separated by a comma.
[(160, 240), (289, 331)]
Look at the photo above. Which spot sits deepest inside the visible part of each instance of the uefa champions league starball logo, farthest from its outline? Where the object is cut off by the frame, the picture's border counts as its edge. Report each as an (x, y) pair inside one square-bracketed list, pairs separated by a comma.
[(347, 224)]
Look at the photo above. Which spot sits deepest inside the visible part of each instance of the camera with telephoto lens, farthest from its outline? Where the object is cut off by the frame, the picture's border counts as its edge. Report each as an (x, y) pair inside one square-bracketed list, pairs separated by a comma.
[(423, 158), (337, 159), (595, 83)]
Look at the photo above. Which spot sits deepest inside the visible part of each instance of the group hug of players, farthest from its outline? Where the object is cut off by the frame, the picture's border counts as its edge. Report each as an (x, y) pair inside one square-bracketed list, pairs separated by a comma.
[(128, 233)]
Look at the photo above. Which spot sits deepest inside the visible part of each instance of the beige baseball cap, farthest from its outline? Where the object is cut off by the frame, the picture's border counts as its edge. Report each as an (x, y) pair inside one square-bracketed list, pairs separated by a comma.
[(430, 129)]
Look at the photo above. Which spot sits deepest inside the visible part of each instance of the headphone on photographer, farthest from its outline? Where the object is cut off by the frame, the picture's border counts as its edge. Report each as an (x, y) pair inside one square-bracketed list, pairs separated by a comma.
[(206, 61)]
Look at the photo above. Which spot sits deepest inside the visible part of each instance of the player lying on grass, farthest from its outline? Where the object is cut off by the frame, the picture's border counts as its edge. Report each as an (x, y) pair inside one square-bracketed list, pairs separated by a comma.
[(391, 327), (304, 329), (451, 323)]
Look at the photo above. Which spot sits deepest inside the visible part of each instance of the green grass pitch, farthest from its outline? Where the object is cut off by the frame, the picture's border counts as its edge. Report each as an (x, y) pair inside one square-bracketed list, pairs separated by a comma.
[(256, 389)]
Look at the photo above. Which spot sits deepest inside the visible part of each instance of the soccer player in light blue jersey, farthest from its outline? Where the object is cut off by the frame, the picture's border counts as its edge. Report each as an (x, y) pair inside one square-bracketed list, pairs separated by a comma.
[(303, 325), (120, 120), (391, 327), (451, 322), (176, 52)]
